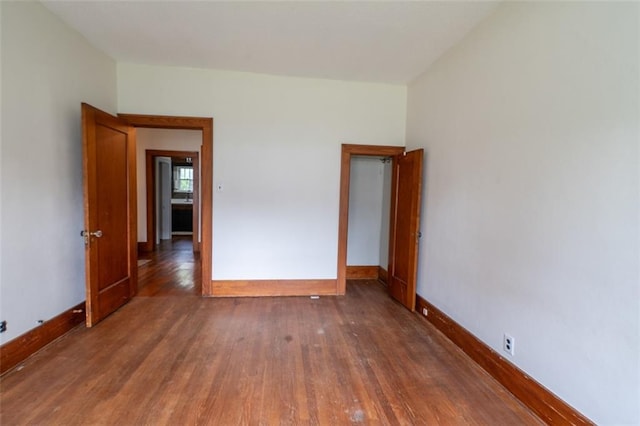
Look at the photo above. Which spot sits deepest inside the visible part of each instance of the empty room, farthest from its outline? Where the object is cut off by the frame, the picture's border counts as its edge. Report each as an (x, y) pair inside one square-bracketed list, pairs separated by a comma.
[(345, 212)]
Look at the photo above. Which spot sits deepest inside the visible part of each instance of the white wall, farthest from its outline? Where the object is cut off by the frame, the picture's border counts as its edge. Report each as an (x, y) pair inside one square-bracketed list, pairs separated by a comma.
[(365, 211), (277, 153), (531, 207), (47, 71), (158, 139)]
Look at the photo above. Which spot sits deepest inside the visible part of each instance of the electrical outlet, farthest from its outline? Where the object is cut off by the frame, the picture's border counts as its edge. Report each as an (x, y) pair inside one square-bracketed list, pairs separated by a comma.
[(425, 312), (3, 326), (509, 344)]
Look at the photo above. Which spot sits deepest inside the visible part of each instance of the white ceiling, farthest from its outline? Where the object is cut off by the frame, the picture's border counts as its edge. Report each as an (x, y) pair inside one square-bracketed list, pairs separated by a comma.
[(390, 42)]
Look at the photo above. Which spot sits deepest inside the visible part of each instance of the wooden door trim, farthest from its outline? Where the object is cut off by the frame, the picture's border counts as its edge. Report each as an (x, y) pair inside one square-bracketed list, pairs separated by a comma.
[(150, 154), (550, 408), (362, 272), (265, 288), (349, 150), (22, 347), (205, 124)]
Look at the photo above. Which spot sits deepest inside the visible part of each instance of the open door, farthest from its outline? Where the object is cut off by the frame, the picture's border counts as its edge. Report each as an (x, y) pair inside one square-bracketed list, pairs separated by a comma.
[(109, 171), (405, 227)]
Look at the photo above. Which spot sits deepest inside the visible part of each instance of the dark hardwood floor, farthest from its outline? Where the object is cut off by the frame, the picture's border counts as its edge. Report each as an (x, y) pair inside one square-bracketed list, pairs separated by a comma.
[(171, 358), (172, 270)]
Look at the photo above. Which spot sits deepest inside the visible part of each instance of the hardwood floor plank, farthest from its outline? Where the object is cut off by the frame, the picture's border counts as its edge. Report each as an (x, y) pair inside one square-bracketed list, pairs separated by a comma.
[(170, 358)]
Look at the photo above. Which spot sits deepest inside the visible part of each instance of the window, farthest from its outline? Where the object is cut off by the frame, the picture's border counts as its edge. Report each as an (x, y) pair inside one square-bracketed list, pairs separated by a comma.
[(183, 179)]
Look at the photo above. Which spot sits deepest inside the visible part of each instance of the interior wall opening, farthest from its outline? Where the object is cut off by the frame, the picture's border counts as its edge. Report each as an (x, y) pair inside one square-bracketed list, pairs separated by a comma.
[(169, 211), (369, 215), (168, 177)]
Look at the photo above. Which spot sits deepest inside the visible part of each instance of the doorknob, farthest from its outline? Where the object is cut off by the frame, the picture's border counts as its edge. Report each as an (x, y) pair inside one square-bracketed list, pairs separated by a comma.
[(86, 234)]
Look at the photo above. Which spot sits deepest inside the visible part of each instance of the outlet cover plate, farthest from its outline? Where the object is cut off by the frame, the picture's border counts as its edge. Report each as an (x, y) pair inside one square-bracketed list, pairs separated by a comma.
[(508, 344)]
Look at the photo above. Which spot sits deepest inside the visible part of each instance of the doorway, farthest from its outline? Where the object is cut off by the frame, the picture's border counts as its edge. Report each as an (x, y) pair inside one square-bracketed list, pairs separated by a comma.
[(404, 223), (348, 152), (172, 197), (205, 125), (169, 258), (369, 215)]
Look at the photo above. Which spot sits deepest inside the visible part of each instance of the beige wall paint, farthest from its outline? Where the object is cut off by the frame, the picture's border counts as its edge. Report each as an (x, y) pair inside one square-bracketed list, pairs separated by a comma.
[(276, 153), (531, 206), (47, 71)]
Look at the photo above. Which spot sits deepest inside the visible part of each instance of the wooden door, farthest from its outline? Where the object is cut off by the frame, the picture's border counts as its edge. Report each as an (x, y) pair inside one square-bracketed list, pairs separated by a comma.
[(109, 168), (405, 226)]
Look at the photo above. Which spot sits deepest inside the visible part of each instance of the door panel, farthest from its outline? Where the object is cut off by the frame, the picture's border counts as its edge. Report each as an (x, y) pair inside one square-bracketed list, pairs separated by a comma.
[(111, 194), (110, 212), (405, 225)]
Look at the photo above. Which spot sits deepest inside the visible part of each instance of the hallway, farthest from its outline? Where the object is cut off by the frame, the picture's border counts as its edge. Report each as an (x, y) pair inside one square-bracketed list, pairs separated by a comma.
[(173, 269)]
